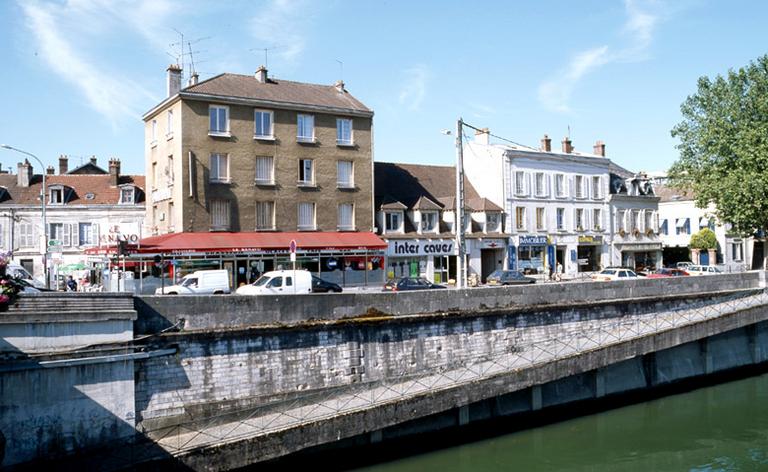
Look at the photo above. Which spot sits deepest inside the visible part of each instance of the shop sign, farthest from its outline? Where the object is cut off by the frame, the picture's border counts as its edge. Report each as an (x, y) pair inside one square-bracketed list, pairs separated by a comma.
[(128, 233), (492, 244), (533, 240), (331, 263), (590, 240), (437, 247)]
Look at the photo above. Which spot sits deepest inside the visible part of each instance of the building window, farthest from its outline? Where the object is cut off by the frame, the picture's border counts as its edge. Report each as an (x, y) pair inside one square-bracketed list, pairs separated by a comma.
[(169, 125), (596, 194), (664, 227), (218, 120), (560, 185), (219, 167), (169, 176), (56, 196), (306, 173), (265, 170), (597, 219), (561, 219), (540, 218), (429, 222), (345, 174), (155, 177), (263, 124), (343, 131), (580, 219), (346, 217), (737, 251), (126, 196), (519, 183), (492, 222), (26, 234), (540, 190), (171, 218), (265, 216), (306, 216), (648, 220), (579, 186), (520, 218), (219, 215), (305, 128), (86, 234), (683, 226), (392, 221), (621, 220), (153, 133), (636, 220), (60, 232)]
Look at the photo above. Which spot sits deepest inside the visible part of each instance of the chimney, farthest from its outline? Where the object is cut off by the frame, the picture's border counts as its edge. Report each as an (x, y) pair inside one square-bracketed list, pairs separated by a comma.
[(567, 146), (339, 86), (24, 175), (174, 79), (599, 149), (546, 144), (193, 79), (63, 164), (114, 172), (483, 136), (261, 74), (93, 160), (50, 170)]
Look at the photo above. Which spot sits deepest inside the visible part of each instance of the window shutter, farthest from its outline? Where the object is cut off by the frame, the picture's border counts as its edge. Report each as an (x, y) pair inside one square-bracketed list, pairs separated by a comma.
[(66, 240), (528, 184), (74, 230), (95, 234)]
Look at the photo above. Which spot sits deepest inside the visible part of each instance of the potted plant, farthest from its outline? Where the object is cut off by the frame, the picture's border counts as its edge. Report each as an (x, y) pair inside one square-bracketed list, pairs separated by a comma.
[(9, 286), (636, 232), (622, 233), (649, 232)]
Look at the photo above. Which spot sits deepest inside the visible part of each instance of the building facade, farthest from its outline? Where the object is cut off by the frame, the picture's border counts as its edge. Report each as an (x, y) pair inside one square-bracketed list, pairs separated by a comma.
[(415, 215), (86, 208)]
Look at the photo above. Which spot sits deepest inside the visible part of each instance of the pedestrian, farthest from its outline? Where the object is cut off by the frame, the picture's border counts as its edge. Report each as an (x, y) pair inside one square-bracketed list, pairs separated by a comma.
[(559, 272), (71, 284)]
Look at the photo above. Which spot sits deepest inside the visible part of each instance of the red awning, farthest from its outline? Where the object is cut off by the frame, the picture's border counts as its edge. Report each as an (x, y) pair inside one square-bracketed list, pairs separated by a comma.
[(258, 242)]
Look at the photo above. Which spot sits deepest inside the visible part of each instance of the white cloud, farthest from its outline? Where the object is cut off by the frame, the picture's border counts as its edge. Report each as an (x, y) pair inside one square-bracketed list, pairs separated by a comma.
[(280, 26), (555, 94), (414, 87), (63, 33)]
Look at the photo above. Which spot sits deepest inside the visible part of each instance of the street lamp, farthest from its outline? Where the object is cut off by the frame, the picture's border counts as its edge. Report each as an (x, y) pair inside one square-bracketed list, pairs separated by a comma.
[(42, 202), (461, 270)]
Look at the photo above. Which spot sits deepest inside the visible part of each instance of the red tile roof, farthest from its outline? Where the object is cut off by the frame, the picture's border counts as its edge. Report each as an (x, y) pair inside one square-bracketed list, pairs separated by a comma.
[(81, 184)]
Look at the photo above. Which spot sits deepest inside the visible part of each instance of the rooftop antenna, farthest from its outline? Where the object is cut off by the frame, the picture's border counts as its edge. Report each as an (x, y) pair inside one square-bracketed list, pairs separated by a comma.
[(569, 131), (341, 70), (266, 53), (179, 54)]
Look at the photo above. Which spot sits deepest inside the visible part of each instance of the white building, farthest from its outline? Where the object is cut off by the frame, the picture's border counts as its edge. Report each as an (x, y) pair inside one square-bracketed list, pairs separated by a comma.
[(559, 207), (679, 218), (86, 208)]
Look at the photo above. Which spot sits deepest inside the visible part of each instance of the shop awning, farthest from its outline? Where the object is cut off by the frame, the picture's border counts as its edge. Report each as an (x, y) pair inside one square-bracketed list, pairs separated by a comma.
[(681, 222), (703, 222), (182, 243)]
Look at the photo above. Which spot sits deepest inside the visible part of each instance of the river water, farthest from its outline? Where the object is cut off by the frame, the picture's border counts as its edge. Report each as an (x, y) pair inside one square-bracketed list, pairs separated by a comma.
[(718, 428)]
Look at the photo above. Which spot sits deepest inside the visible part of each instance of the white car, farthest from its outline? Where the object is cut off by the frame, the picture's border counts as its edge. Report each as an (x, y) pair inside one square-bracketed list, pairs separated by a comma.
[(201, 282), (279, 282), (703, 270), (614, 273)]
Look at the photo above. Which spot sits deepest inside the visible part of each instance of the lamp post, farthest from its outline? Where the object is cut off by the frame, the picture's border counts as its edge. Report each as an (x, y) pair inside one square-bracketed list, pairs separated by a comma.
[(42, 202)]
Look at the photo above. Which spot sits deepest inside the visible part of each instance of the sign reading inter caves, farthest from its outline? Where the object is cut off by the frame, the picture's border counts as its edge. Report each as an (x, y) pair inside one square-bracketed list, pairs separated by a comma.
[(420, 248)]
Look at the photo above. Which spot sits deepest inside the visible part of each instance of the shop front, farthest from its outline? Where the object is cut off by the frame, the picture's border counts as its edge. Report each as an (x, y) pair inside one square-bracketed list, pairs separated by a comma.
[(641, 257), (433, 259), (589, 253), (531, 254), (348, 259), (485, 256)]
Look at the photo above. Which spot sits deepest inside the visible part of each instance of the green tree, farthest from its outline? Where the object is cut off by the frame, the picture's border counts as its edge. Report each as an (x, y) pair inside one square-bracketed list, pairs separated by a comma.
[(704, 239), (724, 146)]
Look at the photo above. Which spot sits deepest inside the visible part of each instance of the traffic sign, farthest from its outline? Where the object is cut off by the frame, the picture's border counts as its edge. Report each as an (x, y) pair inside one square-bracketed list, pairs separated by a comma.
[(55, 242), (292, 246)]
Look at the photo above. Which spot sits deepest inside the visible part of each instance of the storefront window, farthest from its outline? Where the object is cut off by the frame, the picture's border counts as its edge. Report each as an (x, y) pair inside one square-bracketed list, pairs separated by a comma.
[(531, 259), (441, 270), (588, 258)]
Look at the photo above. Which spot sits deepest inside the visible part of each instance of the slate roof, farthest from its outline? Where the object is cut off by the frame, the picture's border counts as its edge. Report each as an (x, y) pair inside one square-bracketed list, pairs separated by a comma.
[(277, 90), (81, 184), (671, 194)]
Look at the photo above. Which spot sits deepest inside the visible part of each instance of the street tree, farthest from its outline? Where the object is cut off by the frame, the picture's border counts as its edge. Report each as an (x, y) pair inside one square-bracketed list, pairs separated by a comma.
[(724, 146)]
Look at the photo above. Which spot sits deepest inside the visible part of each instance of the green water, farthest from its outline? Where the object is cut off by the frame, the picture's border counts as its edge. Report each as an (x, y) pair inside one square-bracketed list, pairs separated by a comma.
[(719, 428)]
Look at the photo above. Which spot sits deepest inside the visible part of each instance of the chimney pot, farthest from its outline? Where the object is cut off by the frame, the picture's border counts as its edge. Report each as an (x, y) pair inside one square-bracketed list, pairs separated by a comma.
[(174, 79), (546, 144), (193, 79), (50, 170), (567, 145), (261, 74), (24, 174), (483, 136), (63, 164), (114, 172), (599, 149), (93, 160), (339, 86)]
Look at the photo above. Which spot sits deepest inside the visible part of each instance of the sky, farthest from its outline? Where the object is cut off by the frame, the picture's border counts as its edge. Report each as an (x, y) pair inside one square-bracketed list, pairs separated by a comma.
[(77, 75)]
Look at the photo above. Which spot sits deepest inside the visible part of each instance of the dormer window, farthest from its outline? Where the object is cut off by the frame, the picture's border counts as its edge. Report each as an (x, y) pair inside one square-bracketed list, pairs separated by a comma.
[(56, 195), (492, 222), (127, 195), (393, 221), (429, 222)]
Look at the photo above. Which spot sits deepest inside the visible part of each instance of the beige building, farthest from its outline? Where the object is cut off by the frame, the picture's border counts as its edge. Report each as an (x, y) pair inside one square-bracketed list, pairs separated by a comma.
[(251, 153)]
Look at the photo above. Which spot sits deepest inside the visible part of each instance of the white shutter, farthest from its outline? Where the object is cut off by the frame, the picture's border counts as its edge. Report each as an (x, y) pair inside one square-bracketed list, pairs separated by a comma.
[(95, 234), (66, 239), (75, 239), (528, 184)]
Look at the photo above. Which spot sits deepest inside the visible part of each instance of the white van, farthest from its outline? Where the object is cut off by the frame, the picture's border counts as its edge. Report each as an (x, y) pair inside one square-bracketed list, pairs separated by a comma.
[(15, 270), (198, 283), (279, 282)]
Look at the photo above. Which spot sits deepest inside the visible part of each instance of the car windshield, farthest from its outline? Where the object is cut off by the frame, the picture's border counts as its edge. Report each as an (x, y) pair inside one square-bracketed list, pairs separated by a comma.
[(261, 281), (189, 282), (496, 274), (608, 272)]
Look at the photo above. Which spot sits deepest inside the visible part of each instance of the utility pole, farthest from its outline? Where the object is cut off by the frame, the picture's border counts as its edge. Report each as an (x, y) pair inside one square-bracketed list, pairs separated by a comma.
[(461, 270)]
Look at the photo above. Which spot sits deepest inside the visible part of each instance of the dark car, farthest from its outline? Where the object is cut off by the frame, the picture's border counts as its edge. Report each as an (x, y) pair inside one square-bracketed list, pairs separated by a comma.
[(323, 286), (409, 283), (508, 277)]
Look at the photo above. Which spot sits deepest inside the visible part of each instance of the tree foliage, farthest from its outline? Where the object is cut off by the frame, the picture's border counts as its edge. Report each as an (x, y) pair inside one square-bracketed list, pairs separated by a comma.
[(704, 239), (724, 146)]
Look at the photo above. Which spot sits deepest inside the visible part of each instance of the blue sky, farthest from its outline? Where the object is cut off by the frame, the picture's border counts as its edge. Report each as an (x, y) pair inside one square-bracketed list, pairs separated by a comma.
[(77, 75)]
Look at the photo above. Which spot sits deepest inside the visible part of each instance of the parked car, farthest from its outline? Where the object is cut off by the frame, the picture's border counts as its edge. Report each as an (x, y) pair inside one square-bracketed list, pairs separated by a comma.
[(703, 270), (409, 283), (323, 286), (684, 265), (614, 273), (18, 271), (279, 282), (662, 273), (508, 277), (200, 282)]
